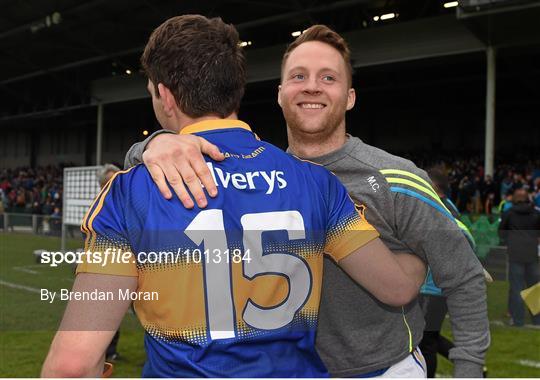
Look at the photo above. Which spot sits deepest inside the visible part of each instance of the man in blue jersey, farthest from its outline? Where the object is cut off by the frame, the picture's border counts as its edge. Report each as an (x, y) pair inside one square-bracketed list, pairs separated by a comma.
[(232, 290), (368, 339)]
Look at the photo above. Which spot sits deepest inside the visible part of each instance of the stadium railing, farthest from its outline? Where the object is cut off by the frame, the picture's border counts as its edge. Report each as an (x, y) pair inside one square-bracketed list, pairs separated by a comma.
[(31, 223)]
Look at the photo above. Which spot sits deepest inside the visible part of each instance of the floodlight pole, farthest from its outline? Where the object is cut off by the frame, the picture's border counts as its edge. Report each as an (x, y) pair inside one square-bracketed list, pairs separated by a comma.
[(489, 157), (63, 238), (99, 134), (64, 227)]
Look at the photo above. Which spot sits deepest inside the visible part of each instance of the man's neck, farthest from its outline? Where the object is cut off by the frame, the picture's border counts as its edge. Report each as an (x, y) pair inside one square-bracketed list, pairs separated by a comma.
[(311, 148)]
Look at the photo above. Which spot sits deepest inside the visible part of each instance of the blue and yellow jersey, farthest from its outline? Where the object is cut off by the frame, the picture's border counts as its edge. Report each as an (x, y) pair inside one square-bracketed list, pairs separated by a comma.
[(238, 282)]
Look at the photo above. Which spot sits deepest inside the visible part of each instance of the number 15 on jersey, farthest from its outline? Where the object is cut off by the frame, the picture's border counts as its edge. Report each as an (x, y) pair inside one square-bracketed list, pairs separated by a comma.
[(208, 228)]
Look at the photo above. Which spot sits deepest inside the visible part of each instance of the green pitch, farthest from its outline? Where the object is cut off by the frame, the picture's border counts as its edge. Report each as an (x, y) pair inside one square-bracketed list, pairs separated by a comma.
[(27, 324)]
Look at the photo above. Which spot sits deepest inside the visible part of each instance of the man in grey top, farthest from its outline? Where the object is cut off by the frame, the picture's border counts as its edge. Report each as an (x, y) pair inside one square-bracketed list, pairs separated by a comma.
[(360, 337)]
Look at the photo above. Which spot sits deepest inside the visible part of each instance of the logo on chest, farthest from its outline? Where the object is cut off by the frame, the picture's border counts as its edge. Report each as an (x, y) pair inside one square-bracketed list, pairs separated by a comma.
[(372, 181)]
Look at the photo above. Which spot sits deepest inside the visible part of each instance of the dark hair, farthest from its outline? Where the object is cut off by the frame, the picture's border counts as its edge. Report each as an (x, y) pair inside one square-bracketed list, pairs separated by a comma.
[(324, 34), (200, 61), (520, 196)]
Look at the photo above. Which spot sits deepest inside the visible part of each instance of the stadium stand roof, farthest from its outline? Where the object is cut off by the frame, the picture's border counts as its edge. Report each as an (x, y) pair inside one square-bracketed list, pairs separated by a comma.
[(60, 55)]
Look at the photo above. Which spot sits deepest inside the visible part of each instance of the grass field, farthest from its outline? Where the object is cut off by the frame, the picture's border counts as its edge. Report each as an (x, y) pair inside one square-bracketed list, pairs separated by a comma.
[(28, 324)]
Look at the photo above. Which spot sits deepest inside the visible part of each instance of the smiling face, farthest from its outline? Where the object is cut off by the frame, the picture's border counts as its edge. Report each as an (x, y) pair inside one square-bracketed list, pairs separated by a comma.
[(315, 92)]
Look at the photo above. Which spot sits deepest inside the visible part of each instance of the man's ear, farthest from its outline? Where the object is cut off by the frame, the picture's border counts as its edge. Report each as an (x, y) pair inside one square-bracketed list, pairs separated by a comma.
[(351, 99), (279, 95), (167, 99)]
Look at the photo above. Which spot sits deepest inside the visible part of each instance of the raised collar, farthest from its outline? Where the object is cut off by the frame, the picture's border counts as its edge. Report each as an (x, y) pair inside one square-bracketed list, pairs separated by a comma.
[(211, 125)]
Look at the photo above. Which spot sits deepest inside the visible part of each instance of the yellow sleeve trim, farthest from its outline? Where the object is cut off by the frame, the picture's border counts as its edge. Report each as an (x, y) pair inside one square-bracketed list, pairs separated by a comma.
[(350, 241), (347, 239)]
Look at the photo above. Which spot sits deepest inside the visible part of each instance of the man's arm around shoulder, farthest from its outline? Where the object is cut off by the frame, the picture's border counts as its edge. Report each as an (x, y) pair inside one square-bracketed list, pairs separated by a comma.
[(134, 155)]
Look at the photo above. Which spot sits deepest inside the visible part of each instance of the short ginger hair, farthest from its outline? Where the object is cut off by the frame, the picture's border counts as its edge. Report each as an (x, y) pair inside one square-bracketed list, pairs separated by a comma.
[(324, 34)]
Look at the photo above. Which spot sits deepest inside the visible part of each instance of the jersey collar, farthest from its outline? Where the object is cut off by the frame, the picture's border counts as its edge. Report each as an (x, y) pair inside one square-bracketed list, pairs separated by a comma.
[(211, 125)]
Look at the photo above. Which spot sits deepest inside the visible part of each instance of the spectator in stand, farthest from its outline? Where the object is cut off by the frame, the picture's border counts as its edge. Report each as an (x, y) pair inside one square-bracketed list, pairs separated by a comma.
[(489, 189), (536, 194), (3, 198), (489, 204), (519, 182), (536, 171), (56, 213), (477, 185), (520, 229), (4, 183), (48, 207), (506, 203), (529, 182), (506, 186), (466, 190), (20, 200), (106, 174)]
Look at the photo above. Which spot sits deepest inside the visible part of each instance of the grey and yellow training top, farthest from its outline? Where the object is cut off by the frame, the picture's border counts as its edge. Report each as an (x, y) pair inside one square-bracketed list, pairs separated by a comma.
[(399, 201)]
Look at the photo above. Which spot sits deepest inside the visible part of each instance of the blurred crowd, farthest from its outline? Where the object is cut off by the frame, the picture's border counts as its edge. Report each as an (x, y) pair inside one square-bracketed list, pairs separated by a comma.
[(39, 190), (32, 190), (475, 193)]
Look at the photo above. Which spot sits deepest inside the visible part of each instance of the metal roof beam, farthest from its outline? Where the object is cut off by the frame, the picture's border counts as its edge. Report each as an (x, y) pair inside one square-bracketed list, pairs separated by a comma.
[(27, 27), (241, 26)]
